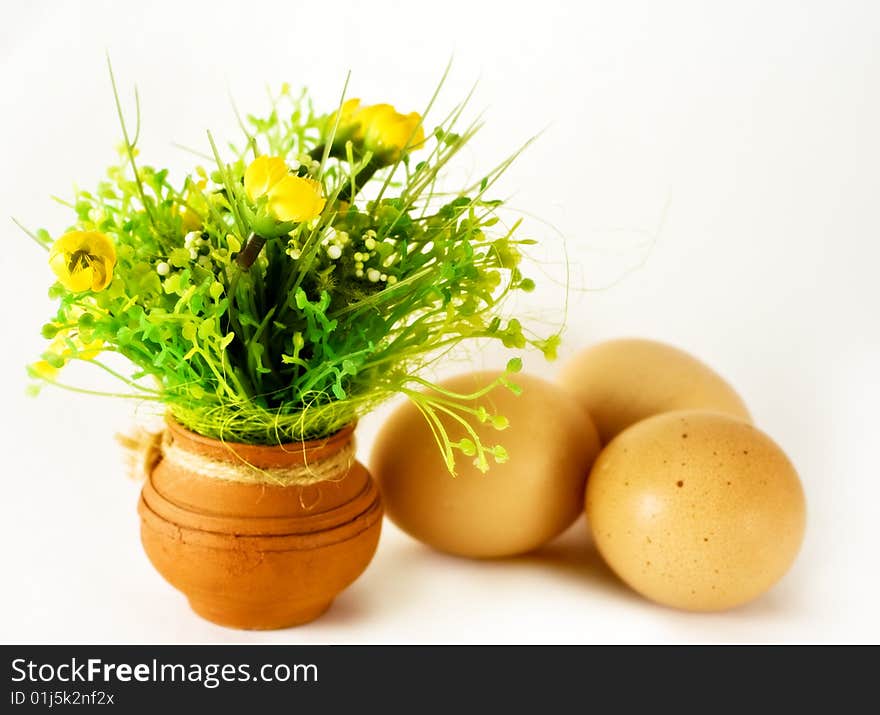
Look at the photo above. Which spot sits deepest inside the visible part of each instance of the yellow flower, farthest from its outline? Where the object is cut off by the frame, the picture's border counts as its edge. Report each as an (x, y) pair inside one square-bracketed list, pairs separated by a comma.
[(380, 128), (83, 260), (296, 199), (386, 132), (62, 351), (263, 173), (290, 198), (44, 370)]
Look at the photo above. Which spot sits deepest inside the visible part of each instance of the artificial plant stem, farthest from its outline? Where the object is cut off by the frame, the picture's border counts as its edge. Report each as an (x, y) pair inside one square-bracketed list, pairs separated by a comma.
[(251, 250), (360, 179), (44, 246), (129, 145)]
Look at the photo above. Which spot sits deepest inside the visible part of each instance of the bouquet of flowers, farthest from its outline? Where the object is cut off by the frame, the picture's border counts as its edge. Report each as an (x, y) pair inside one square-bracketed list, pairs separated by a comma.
[(311, 273)]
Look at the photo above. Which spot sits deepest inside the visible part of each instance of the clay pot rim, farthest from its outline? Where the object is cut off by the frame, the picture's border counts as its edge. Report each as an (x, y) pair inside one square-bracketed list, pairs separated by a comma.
[(286, 453)]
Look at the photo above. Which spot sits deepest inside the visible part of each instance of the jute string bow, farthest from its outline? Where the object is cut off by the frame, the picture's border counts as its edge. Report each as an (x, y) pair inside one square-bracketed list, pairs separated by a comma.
[(145, 449)]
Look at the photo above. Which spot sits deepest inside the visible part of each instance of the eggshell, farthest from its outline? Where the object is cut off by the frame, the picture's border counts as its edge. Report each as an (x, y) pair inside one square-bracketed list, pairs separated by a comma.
[(513, 508), (696, 510), (621, 382)]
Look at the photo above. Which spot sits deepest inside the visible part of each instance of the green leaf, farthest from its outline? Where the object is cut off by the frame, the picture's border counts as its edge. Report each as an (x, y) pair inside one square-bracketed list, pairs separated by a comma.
[(467, 447), (500, 454), (500, 422), (179, 258), (207, 329)]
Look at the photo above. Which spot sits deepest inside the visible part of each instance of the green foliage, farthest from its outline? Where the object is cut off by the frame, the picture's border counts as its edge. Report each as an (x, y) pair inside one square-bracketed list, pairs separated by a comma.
[(336, 314)]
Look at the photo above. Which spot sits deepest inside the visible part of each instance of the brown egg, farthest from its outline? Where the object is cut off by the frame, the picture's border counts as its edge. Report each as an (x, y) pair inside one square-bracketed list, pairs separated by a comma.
[(514, 507), (696, 510), (621, 382)]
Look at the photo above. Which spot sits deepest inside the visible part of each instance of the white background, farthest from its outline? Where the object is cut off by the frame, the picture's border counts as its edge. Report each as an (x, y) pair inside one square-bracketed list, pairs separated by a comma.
[(713, 168)]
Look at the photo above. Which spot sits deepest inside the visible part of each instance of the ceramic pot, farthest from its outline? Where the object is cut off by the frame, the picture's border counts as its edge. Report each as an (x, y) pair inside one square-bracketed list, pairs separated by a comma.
[(251, 554)]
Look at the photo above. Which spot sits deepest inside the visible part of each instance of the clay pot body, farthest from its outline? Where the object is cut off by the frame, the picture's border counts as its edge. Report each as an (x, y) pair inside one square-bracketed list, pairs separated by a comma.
[(256, 555)]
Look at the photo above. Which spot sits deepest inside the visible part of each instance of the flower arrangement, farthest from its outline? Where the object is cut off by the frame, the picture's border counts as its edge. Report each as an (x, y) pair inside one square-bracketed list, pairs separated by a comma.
[(297, 283)]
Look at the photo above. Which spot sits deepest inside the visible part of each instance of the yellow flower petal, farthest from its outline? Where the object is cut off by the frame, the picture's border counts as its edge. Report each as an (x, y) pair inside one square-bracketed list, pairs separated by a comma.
[(347, 117), (102, 274), (59, 346), (296, 199), (89, 350), (372, 117), (262, 174), (58, 261), (195, 207), (413, 121), (80, 280)]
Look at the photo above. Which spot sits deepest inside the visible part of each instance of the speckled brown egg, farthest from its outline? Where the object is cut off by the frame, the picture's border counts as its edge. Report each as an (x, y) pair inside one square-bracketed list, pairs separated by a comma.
[(621, 382), (696, 510), (513, 508)]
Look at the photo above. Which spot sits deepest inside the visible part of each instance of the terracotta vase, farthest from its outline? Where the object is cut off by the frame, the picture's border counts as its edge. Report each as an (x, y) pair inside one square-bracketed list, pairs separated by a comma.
[(258, 555)]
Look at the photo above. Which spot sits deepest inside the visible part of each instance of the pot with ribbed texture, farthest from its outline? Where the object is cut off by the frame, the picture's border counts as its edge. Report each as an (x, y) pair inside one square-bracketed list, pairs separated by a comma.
[(256, 536)]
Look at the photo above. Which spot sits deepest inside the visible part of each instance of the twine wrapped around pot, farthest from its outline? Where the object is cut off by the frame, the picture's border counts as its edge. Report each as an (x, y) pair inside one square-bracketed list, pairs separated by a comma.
[(146, 448)]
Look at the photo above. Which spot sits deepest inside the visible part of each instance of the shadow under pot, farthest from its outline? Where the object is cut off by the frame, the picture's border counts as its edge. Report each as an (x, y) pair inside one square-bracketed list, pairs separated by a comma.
[(259, 537)]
